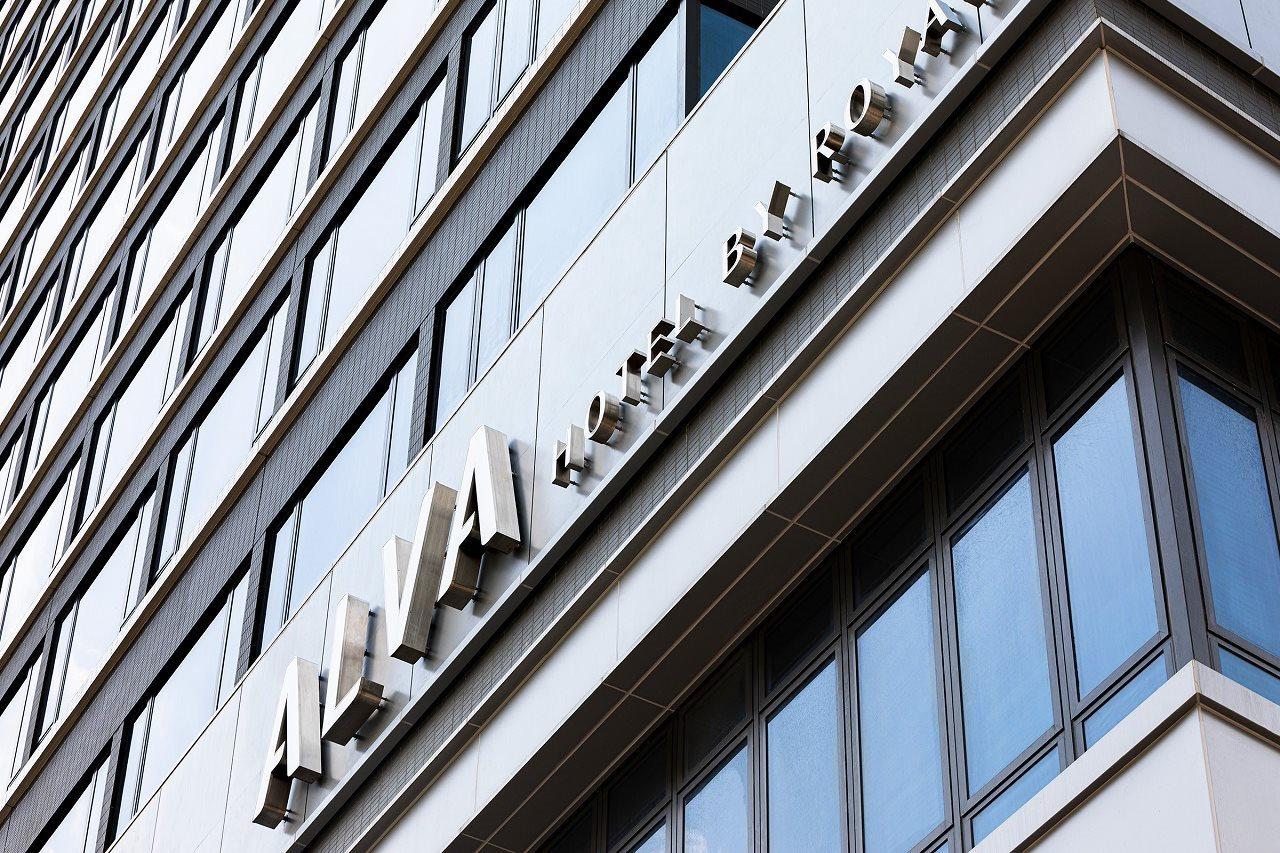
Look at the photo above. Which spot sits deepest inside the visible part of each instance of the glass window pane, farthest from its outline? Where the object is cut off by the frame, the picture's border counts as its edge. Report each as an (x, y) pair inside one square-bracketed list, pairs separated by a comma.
[(721, 37), (1237, 526), (717, 712), (1079, 349), (429, 161), (717, 819), (656, 842), (658, 98), (1109, 574), (1006, 695), (517, 32), (371, 232), (183, 705), (37, 556), (892, 533), (13, 717), (552, 15), (478, 82), (289, 47), (806, 800), (100, 612), (806, 621), (1015, 797), (78, 826), (573, 202), (339, 502), (453, 376), (1124, 700), (1206, 329), (986, 439), (1250, 675), (898, 720), (222, 442), (496, 300), (391, 36), (640, 788)]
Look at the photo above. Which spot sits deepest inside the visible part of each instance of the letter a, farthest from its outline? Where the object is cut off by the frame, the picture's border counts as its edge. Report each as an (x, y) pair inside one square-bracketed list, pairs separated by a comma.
[(484, 519), (293, 749)]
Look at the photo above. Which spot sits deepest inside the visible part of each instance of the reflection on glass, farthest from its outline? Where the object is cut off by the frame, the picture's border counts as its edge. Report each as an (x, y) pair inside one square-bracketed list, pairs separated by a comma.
[(76, 829), (658, 100), (429, 161), (656, 842), (517, 31), (478, 83), (496, 301), (805, 797), (1250, 675), (1006, 696), (573, 202), (1237, 526), (453, 376), (899, 728), (721, 38), (1109, 575), (1015, 796), (717, 817), (1124, 700)]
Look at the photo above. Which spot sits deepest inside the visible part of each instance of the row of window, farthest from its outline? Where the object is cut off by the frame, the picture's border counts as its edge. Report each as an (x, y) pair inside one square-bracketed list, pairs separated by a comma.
[(131, 414), (534, 246), (309, 534), (18, 65), (994, 617)]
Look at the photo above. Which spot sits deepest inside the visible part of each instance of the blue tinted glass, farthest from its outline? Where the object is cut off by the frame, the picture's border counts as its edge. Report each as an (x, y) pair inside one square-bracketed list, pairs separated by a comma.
[(898, 723), (1125, 700), (1015, 796), (1005, 692), (655, 843), (1109, 580), (721, 39), (1235, 515), (804, 769), (1250, 675), (717, 818)]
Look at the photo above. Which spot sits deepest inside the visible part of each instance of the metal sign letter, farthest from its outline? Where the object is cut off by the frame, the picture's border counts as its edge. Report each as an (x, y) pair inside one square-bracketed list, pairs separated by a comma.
[(942, 20), (868, 107), (484, 519), (740, 257), (411, 571), (902, 63), (826, 152), (293, 748), (571, 455), (350, 697)]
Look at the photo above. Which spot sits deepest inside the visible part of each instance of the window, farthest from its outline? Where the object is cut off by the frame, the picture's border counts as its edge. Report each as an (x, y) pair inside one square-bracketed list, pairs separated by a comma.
[(69, 388), (193, 83), (720, 36), (219, 445), (252, 236), (27, 572), (1110, 577), (477, 101), (180, 706), (899, 704), (158, 248), (264, 84), (373, 59), (717, 816), (1007, 695), (507, 284), (15, 714), (971, 601), (316, 529), (88, 628), (805, 769), (359, 246), (517, 38), (1237, 523), (130, 417), (76, 830)]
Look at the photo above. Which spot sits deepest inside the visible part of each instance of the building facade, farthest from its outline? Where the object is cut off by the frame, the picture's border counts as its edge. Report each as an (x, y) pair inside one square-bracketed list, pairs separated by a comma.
[(645, 425)]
